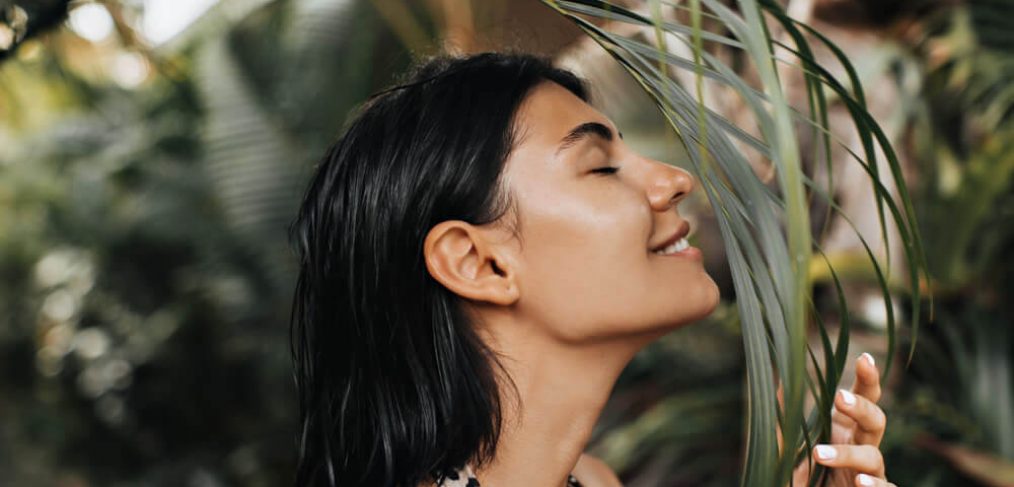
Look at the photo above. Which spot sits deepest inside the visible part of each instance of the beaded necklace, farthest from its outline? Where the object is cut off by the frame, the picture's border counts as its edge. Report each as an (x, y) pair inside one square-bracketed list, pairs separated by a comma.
[(466, 478)]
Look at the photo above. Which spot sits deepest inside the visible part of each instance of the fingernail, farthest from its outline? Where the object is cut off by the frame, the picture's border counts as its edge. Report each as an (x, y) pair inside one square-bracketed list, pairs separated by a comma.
[(865, 479), (848, 397), (826, 452), (869, 358)]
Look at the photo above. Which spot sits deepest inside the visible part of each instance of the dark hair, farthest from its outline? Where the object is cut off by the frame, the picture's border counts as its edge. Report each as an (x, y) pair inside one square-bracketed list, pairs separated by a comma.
[(394, 386)]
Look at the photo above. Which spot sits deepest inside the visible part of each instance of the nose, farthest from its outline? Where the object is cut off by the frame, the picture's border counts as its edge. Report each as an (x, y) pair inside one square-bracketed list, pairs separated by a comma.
[(668, 186)]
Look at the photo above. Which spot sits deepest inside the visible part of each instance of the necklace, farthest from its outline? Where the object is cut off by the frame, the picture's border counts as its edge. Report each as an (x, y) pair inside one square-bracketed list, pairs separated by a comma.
[(466, 478)]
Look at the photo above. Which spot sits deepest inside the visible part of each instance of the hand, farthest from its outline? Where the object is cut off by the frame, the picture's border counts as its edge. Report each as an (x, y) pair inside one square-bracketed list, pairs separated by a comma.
[(857, 426)]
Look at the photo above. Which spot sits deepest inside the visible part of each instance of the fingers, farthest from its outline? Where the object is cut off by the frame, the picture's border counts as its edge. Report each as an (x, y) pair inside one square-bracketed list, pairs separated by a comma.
[(869, 418), (863, 458), (781, 405), (867, 383), (863, 480)]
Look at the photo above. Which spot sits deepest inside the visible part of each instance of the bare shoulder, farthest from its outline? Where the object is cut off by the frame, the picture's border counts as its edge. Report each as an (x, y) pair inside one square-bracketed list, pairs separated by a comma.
[(591, 471)]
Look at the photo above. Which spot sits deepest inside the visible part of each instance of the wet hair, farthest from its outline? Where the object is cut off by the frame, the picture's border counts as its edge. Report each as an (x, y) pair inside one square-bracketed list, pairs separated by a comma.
[(394, 385)]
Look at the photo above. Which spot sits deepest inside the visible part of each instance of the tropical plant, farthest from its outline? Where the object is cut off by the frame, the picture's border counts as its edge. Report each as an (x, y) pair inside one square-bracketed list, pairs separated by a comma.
[(104, 192), (959, 400), (143, 241), (770, 268)]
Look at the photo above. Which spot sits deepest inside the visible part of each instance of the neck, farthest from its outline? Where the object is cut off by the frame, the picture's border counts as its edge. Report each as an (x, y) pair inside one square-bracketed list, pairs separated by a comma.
[(561, 389)]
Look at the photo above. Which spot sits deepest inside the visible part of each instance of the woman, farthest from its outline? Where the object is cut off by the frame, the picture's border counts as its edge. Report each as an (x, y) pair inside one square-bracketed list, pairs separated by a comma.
[(480, 256)]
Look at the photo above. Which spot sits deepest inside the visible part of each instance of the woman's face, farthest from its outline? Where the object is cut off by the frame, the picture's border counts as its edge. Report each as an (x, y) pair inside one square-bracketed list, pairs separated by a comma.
[(586, 265)]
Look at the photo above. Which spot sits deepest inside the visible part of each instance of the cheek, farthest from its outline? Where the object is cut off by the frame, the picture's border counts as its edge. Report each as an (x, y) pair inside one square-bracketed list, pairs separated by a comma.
[(585, 260), (588, 272)]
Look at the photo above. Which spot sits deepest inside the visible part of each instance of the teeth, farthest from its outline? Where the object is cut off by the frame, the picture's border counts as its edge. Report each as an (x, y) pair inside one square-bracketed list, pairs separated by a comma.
[(678, 246)]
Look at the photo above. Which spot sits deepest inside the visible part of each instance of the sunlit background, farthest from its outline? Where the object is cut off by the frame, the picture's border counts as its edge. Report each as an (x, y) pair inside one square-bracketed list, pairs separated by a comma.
[(152, 153)]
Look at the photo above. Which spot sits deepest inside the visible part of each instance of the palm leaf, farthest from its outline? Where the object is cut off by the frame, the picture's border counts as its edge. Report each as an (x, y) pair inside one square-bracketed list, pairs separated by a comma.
[(766, 231), (267, 92)]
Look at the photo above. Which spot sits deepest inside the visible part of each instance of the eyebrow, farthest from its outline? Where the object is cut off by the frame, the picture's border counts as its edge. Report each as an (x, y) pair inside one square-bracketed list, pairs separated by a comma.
[(584, 131)]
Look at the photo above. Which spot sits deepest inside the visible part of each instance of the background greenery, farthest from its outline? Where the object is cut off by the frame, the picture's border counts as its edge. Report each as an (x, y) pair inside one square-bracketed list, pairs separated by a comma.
[(145, 278)]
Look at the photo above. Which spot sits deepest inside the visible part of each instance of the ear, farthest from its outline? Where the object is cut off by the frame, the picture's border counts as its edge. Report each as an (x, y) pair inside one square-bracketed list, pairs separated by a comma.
[(460, 257)]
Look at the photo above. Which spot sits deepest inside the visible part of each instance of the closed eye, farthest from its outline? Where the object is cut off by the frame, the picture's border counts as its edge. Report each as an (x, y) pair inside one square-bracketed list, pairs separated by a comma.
[(606, 170)]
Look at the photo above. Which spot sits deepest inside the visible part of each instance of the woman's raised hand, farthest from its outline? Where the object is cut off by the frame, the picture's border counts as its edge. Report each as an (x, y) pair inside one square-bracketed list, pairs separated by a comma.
[(857, 426)]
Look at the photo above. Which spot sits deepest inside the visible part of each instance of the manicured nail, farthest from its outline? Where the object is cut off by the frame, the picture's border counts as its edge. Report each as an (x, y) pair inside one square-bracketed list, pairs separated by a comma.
[(869, 357), (848, 397), (826, 452), (865, 479)]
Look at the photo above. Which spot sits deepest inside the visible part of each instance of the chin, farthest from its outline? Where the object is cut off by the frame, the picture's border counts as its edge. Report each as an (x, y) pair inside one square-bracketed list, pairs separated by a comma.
[(705, 300), (714, 297)]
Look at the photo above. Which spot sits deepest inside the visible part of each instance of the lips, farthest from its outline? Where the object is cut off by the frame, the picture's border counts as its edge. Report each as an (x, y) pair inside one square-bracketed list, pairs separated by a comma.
[(682, 231)]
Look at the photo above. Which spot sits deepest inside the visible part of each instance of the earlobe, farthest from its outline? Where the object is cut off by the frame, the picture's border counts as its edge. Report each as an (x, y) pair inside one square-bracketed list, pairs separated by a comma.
[(458, 255)]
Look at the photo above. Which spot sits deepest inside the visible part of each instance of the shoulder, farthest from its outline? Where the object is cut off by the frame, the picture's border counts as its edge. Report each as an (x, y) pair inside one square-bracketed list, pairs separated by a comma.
[(593, 472)]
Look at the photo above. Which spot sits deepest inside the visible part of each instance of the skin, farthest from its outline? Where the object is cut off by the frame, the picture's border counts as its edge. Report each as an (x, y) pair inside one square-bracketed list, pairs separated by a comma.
[(568, 300)]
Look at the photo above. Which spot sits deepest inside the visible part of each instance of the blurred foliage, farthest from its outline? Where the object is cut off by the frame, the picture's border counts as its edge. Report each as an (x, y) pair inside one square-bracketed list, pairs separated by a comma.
[(146, 275), (957, 400), (145, 279)]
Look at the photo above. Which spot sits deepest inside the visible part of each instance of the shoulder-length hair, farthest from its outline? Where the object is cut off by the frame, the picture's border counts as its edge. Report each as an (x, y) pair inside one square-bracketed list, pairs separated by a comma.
[(395, 387)]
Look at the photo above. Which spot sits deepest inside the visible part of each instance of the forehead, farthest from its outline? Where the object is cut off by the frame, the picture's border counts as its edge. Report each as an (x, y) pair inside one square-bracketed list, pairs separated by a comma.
[(550, 111)]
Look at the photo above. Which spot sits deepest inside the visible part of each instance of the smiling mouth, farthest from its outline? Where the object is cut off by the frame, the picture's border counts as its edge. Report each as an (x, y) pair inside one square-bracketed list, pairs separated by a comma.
[(680, 248), (677, 246), (676, 241)]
